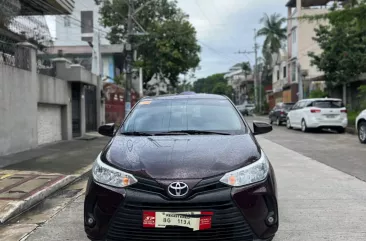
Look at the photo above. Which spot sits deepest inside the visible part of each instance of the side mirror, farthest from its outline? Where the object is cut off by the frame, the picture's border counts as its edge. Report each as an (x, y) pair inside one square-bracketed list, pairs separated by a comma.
[(106, 130), (261, 128)]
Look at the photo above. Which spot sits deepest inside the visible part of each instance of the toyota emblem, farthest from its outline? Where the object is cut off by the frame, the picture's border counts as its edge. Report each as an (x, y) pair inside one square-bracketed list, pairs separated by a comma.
[(178, 189)]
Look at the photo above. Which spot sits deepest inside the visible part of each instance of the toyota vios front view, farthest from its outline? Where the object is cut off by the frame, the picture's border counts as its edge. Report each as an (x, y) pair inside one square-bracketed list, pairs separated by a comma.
[(182, 167)]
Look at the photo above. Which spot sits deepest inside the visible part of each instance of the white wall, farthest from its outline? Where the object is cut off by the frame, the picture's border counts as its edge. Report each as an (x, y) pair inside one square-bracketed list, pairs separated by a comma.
[(71, 36), (18, 110), (294, 36), (49, 123)]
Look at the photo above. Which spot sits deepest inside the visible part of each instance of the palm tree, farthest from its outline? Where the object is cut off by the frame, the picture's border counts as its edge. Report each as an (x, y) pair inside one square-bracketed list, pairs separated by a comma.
[(273, 31), (246, 68)]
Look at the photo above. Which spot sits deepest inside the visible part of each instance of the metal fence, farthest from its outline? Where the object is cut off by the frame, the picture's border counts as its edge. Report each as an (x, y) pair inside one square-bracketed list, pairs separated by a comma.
[(14, 55)]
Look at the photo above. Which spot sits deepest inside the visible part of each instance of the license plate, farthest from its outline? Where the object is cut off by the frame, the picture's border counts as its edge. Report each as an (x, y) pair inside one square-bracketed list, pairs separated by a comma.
[(331, 116), (193, 220)]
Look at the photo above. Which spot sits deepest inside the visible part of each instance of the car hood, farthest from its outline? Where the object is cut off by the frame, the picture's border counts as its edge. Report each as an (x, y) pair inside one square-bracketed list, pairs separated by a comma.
[(181, 157)]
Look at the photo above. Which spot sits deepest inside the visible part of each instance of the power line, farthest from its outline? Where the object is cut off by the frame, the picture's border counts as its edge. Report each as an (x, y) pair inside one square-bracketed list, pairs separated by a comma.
[(216, 51), (204, 15)]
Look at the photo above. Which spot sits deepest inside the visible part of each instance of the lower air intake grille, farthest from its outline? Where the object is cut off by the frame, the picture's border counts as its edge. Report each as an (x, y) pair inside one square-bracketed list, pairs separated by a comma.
[(228, 223)]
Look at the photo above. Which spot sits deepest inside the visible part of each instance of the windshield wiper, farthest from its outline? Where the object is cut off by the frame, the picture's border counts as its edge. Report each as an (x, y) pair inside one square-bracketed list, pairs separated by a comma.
[(136, 133), (192, 132)]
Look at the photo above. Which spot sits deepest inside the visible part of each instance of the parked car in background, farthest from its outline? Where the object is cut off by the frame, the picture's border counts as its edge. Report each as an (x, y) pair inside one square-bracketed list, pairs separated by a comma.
[(321, 113), (248, 109), (279, 113), (240, 108), (361, 126)]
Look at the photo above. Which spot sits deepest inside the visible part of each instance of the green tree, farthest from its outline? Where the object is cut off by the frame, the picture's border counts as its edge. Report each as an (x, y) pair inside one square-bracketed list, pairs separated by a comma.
[(246, 69), (206, 85), (274, 33), (169, 49)]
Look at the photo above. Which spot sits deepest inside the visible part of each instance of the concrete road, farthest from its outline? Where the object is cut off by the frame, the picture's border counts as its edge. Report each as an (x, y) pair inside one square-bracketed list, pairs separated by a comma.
[(317, 202), (340, 151)]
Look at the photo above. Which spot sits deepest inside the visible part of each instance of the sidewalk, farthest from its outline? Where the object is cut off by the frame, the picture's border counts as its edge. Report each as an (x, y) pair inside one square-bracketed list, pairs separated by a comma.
[(30, 176), (316, 202)]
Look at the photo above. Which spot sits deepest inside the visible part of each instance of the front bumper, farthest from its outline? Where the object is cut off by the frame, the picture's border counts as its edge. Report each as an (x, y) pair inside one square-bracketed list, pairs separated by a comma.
[(239, 213)]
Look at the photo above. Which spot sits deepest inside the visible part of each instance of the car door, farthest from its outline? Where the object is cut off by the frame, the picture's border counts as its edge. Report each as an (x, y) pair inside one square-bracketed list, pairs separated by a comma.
[(300, 112), (292, 115)]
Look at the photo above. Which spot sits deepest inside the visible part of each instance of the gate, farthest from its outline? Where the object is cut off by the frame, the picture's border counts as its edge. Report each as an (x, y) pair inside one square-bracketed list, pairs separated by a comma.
[(76, 128), (91, 108)]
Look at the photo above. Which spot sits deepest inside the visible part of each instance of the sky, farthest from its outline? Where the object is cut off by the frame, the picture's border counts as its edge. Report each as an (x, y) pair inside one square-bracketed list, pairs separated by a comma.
[(223, 28)]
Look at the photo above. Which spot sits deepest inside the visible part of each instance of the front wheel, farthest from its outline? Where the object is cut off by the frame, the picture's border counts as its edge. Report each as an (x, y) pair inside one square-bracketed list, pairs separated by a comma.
[(288, 124), (362, 132)]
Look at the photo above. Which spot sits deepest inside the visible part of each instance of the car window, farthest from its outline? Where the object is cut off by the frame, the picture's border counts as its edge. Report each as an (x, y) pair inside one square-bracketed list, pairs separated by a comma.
[(287, 106), (328, 104), (301, 105), (164, 115), (295, 106)]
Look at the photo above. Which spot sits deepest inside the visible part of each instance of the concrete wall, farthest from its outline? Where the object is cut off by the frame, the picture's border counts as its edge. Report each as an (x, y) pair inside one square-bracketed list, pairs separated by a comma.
[(53, 90), (18, 110), (36, 109)]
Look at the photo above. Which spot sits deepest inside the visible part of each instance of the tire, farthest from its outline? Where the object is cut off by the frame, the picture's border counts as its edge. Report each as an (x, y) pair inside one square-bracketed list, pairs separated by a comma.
[(362, 132), (288, 124), (278, 122), (270, 121), (304, 128)]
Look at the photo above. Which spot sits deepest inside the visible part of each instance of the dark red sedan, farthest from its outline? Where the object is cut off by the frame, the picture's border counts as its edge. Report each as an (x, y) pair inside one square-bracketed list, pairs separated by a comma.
[(182, 167)]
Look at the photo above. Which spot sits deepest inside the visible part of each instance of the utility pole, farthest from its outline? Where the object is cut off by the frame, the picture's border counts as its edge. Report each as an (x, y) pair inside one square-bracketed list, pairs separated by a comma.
[(129, 57), (255, 75)]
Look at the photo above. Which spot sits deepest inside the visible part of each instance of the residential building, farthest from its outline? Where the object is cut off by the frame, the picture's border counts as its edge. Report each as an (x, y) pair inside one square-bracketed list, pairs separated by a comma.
[(38, 106), (280, 78), (157, 86), (300, 42), (75, 33), (79, 27), (242, 84)]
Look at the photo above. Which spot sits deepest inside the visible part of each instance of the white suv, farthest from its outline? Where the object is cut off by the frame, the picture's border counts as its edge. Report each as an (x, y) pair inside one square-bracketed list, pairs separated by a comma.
[(318, 114), (361, 126)]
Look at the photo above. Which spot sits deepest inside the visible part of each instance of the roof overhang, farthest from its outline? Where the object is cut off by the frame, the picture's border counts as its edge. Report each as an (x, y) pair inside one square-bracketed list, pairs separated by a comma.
[(81, 50), (310, 3), (46, 7)]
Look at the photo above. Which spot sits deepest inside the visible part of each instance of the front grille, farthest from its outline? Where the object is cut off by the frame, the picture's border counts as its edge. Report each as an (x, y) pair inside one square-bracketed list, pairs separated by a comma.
[(227, 222), (153, 187)]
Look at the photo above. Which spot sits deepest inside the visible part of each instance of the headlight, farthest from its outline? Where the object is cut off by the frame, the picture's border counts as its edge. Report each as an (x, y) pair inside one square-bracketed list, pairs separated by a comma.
[(252, 173), (108, 175)]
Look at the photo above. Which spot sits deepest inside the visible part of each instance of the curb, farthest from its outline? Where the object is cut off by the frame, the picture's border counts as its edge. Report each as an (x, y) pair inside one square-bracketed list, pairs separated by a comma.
[(16, 208)]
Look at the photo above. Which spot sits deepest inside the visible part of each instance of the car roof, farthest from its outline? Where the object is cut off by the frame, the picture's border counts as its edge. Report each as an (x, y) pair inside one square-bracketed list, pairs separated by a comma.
[(321, 99), (186, 96)]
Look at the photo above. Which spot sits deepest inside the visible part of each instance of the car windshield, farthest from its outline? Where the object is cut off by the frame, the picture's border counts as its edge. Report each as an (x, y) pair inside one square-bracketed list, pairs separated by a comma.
[(169, 115), (328, 104), (288, 106)]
